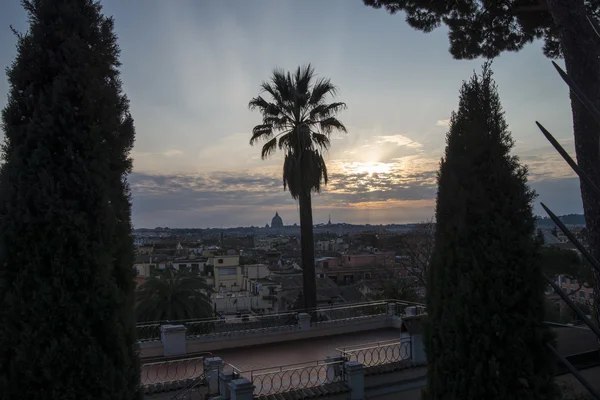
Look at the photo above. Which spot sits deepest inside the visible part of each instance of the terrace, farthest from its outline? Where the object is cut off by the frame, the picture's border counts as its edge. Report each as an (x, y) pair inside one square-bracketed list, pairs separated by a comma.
[(334, 352)]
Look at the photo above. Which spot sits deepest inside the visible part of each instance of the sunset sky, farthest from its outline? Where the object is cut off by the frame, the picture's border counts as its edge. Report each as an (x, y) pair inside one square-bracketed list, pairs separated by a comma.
[(190, 68)]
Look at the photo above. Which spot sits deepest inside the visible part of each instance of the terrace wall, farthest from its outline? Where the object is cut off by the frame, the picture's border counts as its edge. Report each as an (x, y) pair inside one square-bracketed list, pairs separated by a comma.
[(155, 348), (209, 336)]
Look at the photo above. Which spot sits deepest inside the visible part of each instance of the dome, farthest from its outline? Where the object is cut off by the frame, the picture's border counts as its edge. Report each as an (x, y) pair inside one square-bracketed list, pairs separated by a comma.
[(276, 222)]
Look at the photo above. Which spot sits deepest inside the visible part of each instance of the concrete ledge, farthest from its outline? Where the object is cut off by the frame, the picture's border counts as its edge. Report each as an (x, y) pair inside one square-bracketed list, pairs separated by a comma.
[(221, 341), (253, 338), (396, 321)]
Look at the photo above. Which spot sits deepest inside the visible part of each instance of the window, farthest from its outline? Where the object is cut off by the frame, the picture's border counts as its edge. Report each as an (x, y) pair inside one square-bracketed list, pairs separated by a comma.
[(325, 264), (572, 281), (195, 268), (563, 279), (333, 278), (228, 271), (220, 261)]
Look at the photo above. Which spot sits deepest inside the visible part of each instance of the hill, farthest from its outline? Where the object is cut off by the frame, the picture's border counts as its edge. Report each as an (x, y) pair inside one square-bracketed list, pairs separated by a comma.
[(570, 219)]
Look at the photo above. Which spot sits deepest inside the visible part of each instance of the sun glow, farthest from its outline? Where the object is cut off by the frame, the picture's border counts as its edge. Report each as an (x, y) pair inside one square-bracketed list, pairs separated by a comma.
[(370, 168)]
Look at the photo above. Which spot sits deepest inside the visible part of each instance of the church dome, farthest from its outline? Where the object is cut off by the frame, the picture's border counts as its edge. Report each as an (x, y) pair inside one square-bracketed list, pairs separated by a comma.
[(276, 222)]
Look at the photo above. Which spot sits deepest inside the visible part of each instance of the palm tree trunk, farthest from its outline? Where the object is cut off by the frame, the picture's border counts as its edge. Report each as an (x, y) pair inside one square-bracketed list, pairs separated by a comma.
[(308, 250), (581, 51)]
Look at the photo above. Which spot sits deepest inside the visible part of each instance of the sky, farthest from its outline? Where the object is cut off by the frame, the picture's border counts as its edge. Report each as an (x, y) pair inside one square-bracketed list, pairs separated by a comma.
[(191, 67)]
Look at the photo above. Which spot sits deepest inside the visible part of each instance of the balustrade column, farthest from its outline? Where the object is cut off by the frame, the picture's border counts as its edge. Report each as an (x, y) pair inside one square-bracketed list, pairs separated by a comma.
[(418, 354), (304, 321), (391, 309), (241, 389), (173, 340), (212, 367), (225, 377), (355, 378)]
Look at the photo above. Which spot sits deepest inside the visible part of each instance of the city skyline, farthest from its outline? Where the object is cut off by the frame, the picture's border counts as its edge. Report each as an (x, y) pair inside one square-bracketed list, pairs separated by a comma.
[(190, 69)]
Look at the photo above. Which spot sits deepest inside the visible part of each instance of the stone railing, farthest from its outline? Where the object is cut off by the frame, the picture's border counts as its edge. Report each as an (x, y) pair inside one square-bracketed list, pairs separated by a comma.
[(286, 378), (226, 326), (346, 375), (378, 353), (173, 370), (409, 309), (199, 336)]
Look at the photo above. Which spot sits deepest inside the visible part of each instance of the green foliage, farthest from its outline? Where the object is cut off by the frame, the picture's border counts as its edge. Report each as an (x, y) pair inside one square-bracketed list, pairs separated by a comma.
[(397, 289), (557, 261), (173, 295), (480, 28), (67, 329), (485, 289), (539, 237)]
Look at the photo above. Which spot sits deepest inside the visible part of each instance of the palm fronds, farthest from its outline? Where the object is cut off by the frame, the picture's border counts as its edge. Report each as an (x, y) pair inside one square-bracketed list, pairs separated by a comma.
[(297, 119), (173, 295)]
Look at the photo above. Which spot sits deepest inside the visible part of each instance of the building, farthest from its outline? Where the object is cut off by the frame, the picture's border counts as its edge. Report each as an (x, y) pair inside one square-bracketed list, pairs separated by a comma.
[(145, 264), (362, 260), (276, 222), (225, 273)]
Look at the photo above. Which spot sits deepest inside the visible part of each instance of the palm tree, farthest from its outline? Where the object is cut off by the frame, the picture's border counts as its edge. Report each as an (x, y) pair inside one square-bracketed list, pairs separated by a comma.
[(298, 121), (173, 295)]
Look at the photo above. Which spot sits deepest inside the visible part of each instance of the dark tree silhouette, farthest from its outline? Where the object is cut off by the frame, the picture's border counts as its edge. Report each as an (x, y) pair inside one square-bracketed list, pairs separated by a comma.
[(485, 336), (67, 329), (298, 120), (487, 28), (173, 295)]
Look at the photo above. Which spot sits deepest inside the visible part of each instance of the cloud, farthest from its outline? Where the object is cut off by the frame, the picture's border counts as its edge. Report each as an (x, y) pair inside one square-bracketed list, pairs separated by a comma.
[(242, 198), (172, 153), (392, 180), (442, 122), (398, 140), (166, 153)]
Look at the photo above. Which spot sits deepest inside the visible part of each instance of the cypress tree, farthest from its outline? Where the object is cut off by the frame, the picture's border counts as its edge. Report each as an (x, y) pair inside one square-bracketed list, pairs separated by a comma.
[(484, 28), (67, 329), (485, 336)]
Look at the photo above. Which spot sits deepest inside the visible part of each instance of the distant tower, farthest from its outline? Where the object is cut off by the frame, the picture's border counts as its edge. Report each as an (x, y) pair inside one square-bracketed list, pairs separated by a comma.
[(329, 222)]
